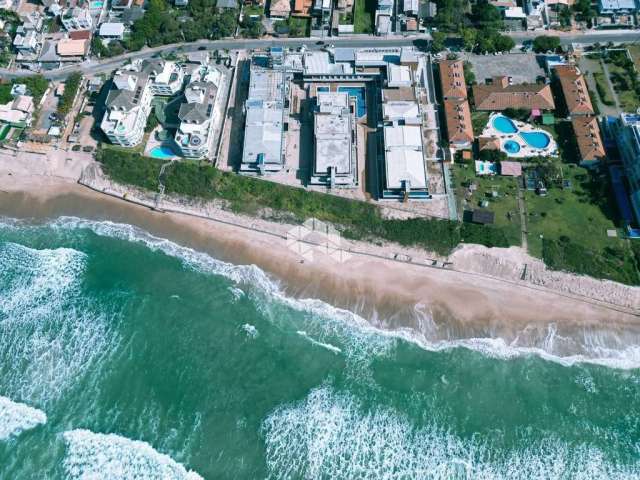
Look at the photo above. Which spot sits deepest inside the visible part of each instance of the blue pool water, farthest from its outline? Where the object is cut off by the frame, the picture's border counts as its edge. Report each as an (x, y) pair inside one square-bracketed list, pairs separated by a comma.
[(162, 152), (536, 139), (511, 147), (504, 124), (96, 4), (358, 93), (322, 89)]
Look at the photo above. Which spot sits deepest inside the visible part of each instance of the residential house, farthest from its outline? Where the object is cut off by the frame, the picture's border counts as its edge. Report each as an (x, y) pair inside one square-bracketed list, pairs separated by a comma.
[(574, 90), (588, 140), (411, 7), (77, 19), (111, 31), (617, 7), (29, 43), (280, 9), (302, 8), (226, 4), (68, 47), (499, 95), (18, 111)]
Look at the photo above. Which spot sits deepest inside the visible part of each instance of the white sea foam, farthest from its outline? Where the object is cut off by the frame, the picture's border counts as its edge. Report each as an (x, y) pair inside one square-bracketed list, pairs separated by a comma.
[(48, 333), (112, 457), (328, 346), (360, 339), (331, 435), (18, 417), (250, 330)]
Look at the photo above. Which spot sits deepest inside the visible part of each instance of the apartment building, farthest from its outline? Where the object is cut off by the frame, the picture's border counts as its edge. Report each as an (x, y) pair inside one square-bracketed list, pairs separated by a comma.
[(77, 18)]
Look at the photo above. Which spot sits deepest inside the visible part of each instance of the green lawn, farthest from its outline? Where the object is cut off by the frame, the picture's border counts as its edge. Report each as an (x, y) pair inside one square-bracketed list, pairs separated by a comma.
[(602, 86), (364, 14), (634, 50), (299, 27), (253, 10), (583, 213), (629, 100), (479, 121), (504, 206)]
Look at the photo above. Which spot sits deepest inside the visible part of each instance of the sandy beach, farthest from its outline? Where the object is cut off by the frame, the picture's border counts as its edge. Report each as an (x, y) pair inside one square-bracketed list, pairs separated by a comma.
[(481, 294)]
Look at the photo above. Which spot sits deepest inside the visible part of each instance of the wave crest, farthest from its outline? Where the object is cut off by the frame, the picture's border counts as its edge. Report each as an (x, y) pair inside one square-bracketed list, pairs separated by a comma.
[(112, 457), (18, 417)]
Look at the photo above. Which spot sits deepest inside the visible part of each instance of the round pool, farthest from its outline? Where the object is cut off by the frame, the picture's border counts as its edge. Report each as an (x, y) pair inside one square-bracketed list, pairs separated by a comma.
[(511, 147), (504, 124), (162, 152), (536, 139)]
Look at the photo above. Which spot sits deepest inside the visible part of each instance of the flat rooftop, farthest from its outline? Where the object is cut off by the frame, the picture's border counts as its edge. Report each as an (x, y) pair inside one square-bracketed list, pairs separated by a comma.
[(404, 161)]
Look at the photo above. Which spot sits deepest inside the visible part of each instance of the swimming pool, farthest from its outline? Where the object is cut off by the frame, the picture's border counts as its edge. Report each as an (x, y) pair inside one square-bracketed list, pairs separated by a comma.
[(511, 147), (504, 124), (322, 89), (536, 139), (96, 5), (358, 93), (162, 153)]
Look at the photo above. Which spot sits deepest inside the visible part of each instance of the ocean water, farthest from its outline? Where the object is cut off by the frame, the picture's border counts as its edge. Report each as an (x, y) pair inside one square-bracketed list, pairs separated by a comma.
[(123, 355)]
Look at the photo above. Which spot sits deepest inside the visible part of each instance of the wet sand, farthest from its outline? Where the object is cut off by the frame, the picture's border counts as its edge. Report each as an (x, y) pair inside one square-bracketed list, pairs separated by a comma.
[(433, 304)]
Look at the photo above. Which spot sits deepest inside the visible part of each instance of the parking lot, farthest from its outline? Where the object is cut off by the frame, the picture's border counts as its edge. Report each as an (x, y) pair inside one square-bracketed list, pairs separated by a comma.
[(523, 67)]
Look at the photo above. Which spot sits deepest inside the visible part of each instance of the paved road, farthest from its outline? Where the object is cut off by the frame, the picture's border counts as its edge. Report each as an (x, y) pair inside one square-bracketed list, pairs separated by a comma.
[(94, 67)]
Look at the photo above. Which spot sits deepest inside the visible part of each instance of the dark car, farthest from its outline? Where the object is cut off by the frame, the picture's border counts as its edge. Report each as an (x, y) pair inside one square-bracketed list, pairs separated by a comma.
[(202, 48), (320, 42)]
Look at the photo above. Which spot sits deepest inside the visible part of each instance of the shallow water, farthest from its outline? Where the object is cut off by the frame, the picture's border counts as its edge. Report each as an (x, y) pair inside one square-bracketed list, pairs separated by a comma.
[(123, 354)]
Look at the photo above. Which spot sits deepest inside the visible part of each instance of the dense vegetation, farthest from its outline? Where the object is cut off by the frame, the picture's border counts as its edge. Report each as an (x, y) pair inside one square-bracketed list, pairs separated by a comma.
[(161, 24), (71, 86), (355, 219), (546, 43), (613, 263), (478, 27)]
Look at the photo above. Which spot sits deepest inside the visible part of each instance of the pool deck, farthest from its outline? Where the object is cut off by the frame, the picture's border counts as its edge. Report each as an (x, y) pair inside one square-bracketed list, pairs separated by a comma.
[(526, 150)]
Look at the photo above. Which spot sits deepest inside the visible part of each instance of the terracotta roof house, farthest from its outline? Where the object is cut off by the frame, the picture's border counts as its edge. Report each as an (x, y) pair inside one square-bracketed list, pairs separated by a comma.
[(302, 8), (80, 35), (452, 79), (574, 90), (499, 95), (72, 48), (458, 119), (588, 139), (280, 8)]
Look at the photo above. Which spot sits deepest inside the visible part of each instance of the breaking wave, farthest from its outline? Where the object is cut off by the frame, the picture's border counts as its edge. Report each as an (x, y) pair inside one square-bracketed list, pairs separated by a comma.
[(112, 457), (48, 332), (330, 435), (18, 417), (359, 339)]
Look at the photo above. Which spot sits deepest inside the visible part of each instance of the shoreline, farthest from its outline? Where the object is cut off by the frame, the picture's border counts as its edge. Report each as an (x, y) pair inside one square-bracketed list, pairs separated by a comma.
[(437, 304)]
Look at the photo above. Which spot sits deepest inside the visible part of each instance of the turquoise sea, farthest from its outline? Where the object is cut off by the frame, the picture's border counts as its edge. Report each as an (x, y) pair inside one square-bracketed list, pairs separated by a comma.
[(126, 356)]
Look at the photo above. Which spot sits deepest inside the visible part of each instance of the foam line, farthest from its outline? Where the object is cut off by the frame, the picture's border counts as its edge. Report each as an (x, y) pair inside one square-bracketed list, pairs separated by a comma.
[(341, 322), (331, 435), (112, 457), (18, 417)]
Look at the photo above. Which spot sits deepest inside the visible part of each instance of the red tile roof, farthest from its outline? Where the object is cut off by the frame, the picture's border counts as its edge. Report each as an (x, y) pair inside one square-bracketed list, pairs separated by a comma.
[(452, 79), (587, 132), (80, 35), (499, 96), (574, 90), (458, 119)]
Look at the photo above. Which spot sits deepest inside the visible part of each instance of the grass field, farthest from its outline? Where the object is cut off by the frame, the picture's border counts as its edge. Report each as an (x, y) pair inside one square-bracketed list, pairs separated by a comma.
[(604, 92), (504, 206), (583, 213), (363, 13), (299, 27)]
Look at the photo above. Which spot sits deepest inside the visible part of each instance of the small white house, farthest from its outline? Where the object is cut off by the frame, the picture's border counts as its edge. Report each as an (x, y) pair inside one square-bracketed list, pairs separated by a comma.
[(111, 31)]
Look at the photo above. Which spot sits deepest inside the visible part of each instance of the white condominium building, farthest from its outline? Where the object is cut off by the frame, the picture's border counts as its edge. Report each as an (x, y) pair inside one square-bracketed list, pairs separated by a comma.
[(77, 18), (128, 104), (198, 116)]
